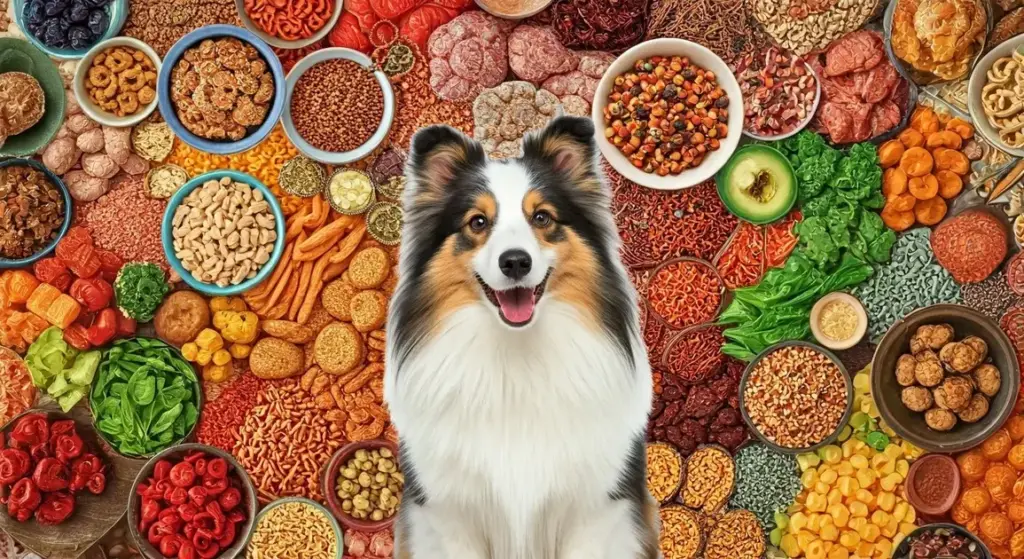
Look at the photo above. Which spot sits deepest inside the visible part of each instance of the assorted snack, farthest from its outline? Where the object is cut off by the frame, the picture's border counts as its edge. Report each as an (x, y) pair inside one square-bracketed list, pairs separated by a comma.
[(45, 466), (947, 380), (121, 80), (682, 115), (294, 530), (943, 542), (40, 211), (222, 89), (22, 104), (779, 92), (939, 37)]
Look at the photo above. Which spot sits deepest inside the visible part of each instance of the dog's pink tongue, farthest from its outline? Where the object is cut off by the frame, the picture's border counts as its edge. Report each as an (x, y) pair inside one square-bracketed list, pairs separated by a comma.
[(516, 304)]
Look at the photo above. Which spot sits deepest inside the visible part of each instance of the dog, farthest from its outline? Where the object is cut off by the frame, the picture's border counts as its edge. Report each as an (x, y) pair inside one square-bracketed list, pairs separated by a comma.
[(516, 374)]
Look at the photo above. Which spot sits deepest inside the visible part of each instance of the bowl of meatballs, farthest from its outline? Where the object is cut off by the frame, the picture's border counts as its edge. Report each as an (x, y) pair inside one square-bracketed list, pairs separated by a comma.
[(945, 378)]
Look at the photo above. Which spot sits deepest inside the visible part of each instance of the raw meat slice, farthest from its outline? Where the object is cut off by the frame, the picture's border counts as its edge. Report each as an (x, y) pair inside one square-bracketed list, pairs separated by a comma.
[(884, 117), (878, 82), (840, 89), (861, 115), (836, 121), (857, 51)]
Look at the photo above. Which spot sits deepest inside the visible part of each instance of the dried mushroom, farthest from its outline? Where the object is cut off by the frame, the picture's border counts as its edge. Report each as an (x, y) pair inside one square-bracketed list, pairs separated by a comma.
[(916, 398), (931, 336), (959, 357), (928, 370), (954, 393), (940, 419), (504, 114), (22, 103)]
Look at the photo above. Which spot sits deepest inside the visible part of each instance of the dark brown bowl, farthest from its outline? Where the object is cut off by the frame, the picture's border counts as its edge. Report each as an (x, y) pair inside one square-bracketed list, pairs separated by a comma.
[(329, 479), (94, 515), (903, 549), (842, 422), (909, 425), (178, 452), (911, 488)]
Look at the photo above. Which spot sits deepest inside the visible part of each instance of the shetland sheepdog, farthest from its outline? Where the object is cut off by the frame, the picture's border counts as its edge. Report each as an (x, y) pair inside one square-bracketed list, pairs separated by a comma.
[(516, 375)]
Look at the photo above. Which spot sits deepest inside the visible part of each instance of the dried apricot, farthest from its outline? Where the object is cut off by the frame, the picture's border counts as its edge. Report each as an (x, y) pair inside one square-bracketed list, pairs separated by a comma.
[(951, 160), (924, 188), (916, 162), (897, 220), (911, 138), (1015, 511), (960, 514), (889, 153), (976, 500), (925, 121), (950, 184), (999, 480), (930, 212), (1016, 457), (997, 446), (894, 181), (972, 465), (902, 202), (996, 527), (944, 139), (1015, 426), (961, 127)]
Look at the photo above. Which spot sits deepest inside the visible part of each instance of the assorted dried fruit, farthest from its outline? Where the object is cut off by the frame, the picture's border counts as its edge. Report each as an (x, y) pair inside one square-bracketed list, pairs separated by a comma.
[(779, 92), (121, 80), (45, 466), (67, 24), (32, 211)]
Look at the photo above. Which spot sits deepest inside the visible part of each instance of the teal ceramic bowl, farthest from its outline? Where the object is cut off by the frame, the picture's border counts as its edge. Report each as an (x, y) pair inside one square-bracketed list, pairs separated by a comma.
[(63, 189), (18, 55), (338, 534), (168, 242), (117, 11)]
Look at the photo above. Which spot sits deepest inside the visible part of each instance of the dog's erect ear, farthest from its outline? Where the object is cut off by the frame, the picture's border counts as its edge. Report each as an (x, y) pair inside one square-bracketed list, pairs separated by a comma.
[(567, 144), (437, 152)]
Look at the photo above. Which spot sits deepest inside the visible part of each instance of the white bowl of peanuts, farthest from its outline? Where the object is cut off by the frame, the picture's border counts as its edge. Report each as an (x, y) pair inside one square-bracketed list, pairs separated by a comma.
[(687, 123)]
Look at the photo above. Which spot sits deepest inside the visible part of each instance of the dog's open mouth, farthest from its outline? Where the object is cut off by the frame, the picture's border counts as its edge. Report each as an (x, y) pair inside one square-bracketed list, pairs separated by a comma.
[(516, 305)]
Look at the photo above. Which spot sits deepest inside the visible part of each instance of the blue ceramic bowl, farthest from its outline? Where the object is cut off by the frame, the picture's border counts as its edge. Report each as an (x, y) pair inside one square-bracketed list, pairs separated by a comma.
[(117, 10), (20, 263), (163, 89), (168, 242)]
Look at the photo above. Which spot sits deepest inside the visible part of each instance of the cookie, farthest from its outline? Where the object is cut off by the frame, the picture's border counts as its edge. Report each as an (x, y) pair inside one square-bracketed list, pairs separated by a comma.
[(339, 348), (369, 268), (369, 310), (337, 299)]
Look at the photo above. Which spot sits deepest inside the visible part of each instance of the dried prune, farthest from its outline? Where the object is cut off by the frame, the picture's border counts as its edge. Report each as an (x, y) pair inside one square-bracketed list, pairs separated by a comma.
[(97, 3), (726, 417), (56, 7), (35, 12), (98, 22), (55, 33), (80, 37), (79, 11)]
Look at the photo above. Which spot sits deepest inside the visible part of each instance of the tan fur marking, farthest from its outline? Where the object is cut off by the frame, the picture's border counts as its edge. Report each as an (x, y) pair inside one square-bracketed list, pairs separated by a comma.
[(652, 523), (449, 280), (438, 172), (574, 278), (567, 155)]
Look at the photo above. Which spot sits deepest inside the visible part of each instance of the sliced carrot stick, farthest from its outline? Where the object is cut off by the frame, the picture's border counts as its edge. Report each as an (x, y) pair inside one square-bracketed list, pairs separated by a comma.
[(335, 228), (281, 285), (334, 270), (305, 275), (349, 243), (295, 224), (314, 289)]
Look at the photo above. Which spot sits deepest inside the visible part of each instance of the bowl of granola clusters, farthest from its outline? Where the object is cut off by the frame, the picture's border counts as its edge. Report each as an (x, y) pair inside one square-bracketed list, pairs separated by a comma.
[(221, 89)]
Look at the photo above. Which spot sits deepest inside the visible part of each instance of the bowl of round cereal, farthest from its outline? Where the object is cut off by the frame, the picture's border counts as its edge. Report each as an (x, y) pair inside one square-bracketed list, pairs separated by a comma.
[(28, 183), (234, 248), (115, 83), (221, 89)]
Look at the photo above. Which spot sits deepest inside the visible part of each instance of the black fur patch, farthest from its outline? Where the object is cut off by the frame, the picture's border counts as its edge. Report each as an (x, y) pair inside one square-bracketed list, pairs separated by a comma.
[(412, 490), (633, 479)]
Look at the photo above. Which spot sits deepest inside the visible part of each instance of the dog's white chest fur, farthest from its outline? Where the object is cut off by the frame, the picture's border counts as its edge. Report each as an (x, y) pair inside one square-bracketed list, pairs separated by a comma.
[(523, 431)]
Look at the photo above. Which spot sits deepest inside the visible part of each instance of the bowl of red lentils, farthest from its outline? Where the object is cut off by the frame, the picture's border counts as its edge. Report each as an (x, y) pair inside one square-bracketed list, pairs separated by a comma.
[(339, 107), (668, 114)]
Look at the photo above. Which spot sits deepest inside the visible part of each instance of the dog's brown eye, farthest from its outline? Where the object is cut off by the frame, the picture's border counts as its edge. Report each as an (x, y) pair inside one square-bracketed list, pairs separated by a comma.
[(542, 218), (478, 223)]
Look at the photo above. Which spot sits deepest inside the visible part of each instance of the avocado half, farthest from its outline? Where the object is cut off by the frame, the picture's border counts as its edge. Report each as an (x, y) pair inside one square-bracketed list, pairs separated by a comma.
[(757, 184)]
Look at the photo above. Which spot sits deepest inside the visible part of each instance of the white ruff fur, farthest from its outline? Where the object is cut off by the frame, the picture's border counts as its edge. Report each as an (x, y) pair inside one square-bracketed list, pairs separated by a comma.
[(519, 436)]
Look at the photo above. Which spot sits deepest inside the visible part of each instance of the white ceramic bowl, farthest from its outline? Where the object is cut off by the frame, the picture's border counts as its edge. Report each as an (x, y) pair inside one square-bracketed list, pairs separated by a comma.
[(979, 77), (807, 120), (337, 158), (858, 309), (92, 110), (282, 43), (701, 57)]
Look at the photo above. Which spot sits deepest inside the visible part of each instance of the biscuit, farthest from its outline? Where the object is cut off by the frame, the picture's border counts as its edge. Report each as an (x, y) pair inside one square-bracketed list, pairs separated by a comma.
[(369, 310), (272, 358), (288, 331), (369, 268), (339, 348), (337, 299), (389, 285)]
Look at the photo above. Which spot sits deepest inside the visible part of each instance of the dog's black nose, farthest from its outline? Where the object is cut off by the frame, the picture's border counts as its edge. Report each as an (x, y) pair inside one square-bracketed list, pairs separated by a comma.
[(515, 263)]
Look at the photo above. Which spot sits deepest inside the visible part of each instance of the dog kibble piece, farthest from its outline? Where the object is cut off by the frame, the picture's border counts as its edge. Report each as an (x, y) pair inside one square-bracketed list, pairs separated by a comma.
[(224, 232), (370, 485)]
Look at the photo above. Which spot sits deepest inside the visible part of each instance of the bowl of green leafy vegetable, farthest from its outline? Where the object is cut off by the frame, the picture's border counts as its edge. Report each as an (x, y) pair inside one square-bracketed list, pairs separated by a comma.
[(146, 397)]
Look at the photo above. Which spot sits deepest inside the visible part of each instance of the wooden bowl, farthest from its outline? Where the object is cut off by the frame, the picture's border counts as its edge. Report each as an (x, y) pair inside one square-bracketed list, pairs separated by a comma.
[(909, 425), (178, 452), (329, 480), (94, 514)]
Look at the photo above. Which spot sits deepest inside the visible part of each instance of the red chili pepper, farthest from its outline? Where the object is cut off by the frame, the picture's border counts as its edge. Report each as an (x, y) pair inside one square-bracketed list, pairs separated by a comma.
[(162, 469), (193, 456), (56, 508), (204, 521), (110, 264), (29, 431), (160, 488), (14, 464), (104, 328), (170, 517), (188, 511), (215, 486), (50, 475), (210, 552), (170, 545), (200, 466), (219, 520), (97, 483), (61, 427), (187, 551), (176, 495), (52, 271), (198, 495), (150, 509), (93, 294), (236, 516), (217, 468), (189, 530), (158, 531), (89, 464), (125, 326), (68, 447), (229, 499), (40, 451), (228, 537), (203, 540), (78, 482), (24, 499), (183, 474)]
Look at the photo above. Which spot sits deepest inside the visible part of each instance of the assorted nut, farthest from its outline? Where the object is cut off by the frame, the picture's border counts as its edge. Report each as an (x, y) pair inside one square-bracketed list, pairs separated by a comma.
[(779, 91), (121, 80), (221, 89), (224, 232), (946, 379), (370, 485), (34, 211), (796, 396), (666, 114), (802, 26)]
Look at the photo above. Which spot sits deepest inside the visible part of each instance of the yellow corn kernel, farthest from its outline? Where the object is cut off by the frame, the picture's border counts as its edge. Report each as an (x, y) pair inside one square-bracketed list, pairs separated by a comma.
[(221, 357), (204, 357), (886, 501), (911, 515), (804, 539), (866, 497), (831, 454), (840, 515), (814, 522), (893, 451), (878, 461), (849, 539), (883, 548), (807, 461), (797, 522), (789, 546), (865, 548), (849, 447), (858, 462), (866, 477), (821, 487), (890, 529), (845, 468), (869, 532), (240, 351), (857, 523), (897, 539), (888, 468), (899, 512), (189, 351), (858, 509), (829, 533), (907, 527), (828, 476), (809, 478), (848, 486), (834, 496), (879, 518), (838, 552), (816, 550), (890, 481), (902, 468)]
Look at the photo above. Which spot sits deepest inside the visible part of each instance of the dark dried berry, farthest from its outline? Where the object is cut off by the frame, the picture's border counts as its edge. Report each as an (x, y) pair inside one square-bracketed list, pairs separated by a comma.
[(722, 102), (56, 7), (97, 3), (669, 93), (635, 91), (643, 112), (79, 11), (678, 124), (80, 37), (35, 12), (689, 73), (98, 22)]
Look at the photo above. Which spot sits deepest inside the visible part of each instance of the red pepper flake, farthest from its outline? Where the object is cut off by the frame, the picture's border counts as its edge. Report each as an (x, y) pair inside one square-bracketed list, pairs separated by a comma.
[(695, 355), (685, 292), (223, 416), (742, 263)]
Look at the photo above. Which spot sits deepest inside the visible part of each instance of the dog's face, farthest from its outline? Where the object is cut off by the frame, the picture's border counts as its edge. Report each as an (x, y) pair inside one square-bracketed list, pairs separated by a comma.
[(508, 235)]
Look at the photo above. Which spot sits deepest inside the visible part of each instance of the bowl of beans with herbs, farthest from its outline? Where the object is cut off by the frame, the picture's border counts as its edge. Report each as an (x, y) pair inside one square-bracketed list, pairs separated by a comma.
[(339, 106), (668, 113), (796, 397), (221, 89)]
